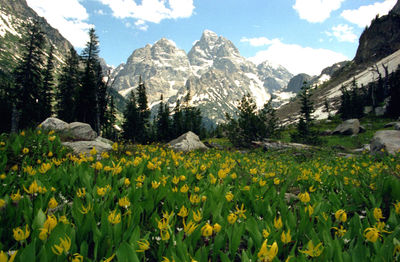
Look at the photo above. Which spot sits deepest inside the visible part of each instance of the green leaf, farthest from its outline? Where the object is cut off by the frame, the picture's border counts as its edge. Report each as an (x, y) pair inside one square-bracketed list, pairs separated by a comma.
[(126, 253)]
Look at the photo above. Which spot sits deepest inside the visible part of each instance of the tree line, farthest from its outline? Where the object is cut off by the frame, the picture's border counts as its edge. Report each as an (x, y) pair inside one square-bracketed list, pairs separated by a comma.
[(31, 93)]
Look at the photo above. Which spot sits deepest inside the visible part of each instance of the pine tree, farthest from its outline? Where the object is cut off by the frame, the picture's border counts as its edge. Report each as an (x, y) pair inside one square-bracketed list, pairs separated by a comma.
[(109, 120), (5, 101), (87, 96), (393, 108), (28, 79), (130, 126), (144, 113), (68, 87), (177, 122), (304, 133), (268, 120), (162, 122), (46, 94)]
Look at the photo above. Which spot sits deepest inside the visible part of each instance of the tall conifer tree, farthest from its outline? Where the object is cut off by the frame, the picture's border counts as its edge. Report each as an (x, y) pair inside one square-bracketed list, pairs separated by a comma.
[(28, 79), (46, 94), (67, 87)]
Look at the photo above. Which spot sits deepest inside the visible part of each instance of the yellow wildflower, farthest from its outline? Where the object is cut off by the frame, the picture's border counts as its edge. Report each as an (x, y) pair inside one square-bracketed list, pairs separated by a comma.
[(52, 138), (52, 203), (378, 214), (3, 176), (164, 235), (101, 191), (240, 212), (194, 199), (114, 218), (86, 210), (21, 235), (50, 223), (311, 189), (143, 245), (268, 254), (232, 218), (2, 203), (50, 154), (4, 257), (44, 168), (340, 231), (93, 152), (207, 230), (175, 180), (197, 216), (309, 209), (63, 247), (286, 237), (313, 251), (110, 258), (44, 234), (127, 182), (25, 150), (77, 258), (183, 212), (229, 196), (304, 197), (341, 215), (397, 207), (163, 223), (371, 234), (276, 181), (81, 192), (217, 227), (16, 197), (265, 233), (30, 170), (278, 223), (124, 202), (105, 155), (33, 188), (189, 227), (115, 146), (184, 188), (155, 184), (98, 165)]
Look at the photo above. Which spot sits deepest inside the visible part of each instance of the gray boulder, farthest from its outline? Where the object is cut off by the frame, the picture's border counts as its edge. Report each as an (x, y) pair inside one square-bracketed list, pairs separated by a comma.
[(278, 145), (81, 132), (397, 126), (84, 147), (380, 110), (390, 124), (53, 123), (368, 109), (389, 140), (348, 127), (187, 142)]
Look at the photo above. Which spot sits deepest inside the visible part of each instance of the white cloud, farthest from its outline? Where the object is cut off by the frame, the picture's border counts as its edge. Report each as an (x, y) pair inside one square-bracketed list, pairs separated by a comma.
[(100, 12), (343, 33), (297, 59), (150, 10), (315, 11), (141, 25), (68, 16), (364, 14), (259, 41)]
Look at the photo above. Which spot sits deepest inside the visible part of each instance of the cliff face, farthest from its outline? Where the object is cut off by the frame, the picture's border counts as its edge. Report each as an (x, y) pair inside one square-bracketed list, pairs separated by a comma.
[(381, 39)]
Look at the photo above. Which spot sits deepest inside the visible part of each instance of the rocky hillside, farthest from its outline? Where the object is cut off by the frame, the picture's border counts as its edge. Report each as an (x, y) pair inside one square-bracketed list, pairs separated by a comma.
[(13, 14), (213, 71)]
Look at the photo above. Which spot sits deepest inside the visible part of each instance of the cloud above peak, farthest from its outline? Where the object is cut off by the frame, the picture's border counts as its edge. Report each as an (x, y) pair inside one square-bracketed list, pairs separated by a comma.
[(68, 16), (364, 14), (153, 11), (297, 59), (316, 11)]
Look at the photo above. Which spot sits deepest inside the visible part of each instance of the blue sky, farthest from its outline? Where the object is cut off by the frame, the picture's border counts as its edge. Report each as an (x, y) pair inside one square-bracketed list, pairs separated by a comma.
[(302, 35)]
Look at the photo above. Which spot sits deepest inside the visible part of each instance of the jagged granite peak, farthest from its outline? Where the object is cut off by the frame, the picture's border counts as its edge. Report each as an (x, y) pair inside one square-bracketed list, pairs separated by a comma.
[(214, 72), (163, 67), (275, 76), (296, 82)]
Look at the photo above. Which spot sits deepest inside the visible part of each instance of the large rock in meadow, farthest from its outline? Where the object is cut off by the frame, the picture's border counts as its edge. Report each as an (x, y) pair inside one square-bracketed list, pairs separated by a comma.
[(84, 147), (81, 132), (348, 127), (187, 142), (55, 124), (388, 140)]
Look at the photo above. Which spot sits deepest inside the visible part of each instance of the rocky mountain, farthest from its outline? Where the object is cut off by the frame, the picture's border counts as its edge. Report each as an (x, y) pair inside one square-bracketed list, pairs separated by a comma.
[(212, 71), (380, 39), (13, 15)]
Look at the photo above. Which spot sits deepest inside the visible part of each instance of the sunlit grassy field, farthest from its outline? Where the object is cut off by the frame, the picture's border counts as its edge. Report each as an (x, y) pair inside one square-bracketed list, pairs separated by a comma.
[(148, 203)]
